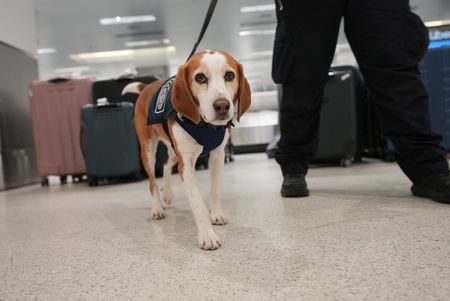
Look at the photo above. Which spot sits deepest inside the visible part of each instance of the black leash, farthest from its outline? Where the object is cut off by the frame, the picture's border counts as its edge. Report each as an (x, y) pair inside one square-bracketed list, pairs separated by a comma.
[(208, 16)]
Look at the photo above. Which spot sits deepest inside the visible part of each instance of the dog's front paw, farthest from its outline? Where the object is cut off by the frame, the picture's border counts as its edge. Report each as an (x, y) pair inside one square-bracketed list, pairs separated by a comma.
[(158, 214), (208, 240), (218, 218)]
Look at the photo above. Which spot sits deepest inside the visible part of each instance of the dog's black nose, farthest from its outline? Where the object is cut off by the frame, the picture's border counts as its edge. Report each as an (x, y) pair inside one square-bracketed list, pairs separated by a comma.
[(221, 106)]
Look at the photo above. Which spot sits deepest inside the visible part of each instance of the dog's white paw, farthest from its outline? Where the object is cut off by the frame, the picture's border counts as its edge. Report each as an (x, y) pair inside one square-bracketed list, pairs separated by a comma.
[(158, 214), (208, 240), (218, 218)]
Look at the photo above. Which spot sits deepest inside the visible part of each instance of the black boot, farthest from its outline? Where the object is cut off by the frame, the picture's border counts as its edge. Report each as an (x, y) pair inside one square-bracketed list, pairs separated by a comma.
[(435, 187), (294, 186)]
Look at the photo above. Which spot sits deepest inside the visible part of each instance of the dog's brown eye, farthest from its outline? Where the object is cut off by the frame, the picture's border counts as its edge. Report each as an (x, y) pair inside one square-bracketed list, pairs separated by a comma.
[(201, 78), (229, 76)]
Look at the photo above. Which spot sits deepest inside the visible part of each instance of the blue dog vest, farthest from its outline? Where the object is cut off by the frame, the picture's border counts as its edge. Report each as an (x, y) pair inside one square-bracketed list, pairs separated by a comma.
[(161, 108)]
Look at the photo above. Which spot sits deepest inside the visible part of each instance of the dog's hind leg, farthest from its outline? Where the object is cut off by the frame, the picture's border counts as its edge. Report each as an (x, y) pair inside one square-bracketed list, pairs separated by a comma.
[(168, 166), (148, 141), (150, 154)]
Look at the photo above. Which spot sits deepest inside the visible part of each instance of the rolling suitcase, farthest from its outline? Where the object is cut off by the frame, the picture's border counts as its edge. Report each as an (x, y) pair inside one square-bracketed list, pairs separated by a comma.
[(371, 141), (55, 110), (435, 70), (109, 142), (112, 89), (343, 125), (339, 136)]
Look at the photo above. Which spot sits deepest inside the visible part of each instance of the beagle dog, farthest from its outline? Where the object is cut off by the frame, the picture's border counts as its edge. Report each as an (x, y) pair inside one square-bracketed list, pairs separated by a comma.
[(201, 103)]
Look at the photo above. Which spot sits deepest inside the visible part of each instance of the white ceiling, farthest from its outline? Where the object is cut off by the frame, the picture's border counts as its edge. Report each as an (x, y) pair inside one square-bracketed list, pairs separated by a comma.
[(72, 27)]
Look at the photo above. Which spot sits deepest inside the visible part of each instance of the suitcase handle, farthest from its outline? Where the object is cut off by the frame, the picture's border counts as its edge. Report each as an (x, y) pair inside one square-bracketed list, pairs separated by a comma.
[(107, 106), (104, 109)]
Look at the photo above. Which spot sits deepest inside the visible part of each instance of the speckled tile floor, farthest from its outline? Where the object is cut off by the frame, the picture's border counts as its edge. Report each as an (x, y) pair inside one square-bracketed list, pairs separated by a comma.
[(360, 236)]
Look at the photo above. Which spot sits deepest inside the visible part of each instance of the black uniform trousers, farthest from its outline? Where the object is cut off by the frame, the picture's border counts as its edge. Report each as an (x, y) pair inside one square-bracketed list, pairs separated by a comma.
[(388, 41)]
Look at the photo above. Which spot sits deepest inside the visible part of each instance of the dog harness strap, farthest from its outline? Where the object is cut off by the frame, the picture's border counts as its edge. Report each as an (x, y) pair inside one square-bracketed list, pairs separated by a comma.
[(161, 109), (165, 126), (209, 136)]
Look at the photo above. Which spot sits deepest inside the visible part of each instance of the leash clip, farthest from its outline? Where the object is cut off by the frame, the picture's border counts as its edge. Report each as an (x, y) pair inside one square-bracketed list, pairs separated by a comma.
[(180, 116)]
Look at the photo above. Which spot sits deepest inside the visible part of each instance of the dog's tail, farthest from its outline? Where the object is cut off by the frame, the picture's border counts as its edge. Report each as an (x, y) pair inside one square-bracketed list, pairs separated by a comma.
[(135, 88)]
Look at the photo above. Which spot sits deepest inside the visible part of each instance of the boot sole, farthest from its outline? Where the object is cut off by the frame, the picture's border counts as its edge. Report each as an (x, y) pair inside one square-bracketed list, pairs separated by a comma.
[(424, 192), (295, 193)]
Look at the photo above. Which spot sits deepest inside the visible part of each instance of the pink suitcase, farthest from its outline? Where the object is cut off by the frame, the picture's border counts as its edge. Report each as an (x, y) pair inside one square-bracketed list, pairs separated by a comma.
[(56, 116)]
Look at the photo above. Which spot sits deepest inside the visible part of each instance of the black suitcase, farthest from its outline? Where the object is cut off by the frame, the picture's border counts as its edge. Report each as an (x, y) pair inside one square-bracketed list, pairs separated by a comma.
[(112, 89), (372, 142), (343, 127), (109, 142), (340, 133)]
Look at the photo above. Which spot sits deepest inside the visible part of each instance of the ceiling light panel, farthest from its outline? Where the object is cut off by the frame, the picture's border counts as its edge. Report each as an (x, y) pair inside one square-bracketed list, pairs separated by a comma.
[(104, 57), (257, 8), (46, 50), (246, 33), (132, 44), (437, 23), (78, 69), (127, 20)]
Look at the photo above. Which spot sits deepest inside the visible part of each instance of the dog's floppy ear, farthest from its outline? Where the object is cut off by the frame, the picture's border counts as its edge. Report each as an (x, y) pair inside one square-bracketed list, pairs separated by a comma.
[(182, 99), (243, 96)]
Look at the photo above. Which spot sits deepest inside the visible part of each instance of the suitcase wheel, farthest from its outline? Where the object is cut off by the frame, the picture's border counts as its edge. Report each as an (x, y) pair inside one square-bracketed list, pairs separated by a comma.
[(345, 162), (228, 159), (389, 157), (358, 157), (93, 181), (63, 180), (137, 176), (77, 179), (44, 182)]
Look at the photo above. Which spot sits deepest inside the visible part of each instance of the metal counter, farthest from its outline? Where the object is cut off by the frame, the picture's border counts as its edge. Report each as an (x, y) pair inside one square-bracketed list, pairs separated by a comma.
[(17, 158)]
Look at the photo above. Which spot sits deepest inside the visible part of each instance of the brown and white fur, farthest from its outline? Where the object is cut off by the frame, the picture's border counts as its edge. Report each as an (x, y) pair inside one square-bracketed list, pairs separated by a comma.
[(214, 101)]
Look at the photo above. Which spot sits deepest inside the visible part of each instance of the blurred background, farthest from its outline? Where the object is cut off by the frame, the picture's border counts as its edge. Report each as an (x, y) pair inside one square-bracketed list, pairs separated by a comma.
[(163, 38)]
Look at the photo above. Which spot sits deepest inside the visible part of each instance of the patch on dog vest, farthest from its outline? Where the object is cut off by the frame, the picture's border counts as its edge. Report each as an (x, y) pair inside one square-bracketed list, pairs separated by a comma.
[(163, 93), (161, 105)]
